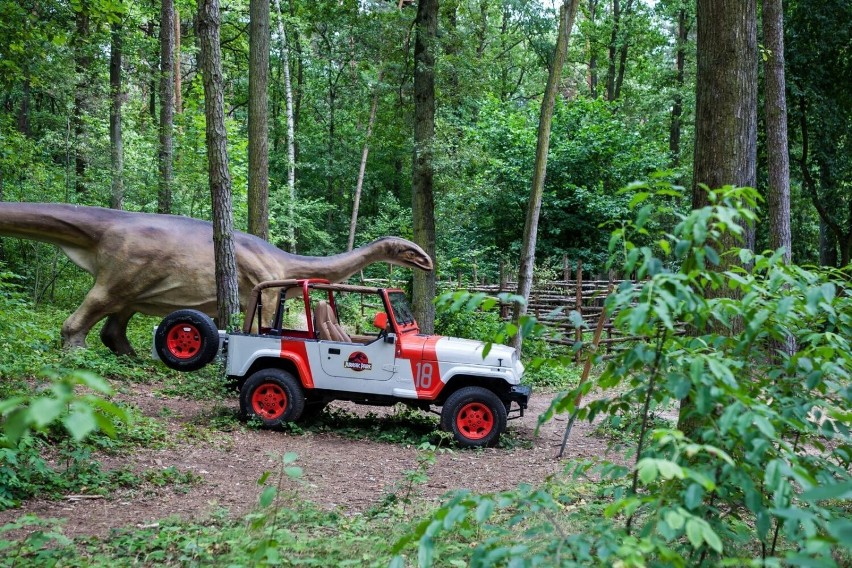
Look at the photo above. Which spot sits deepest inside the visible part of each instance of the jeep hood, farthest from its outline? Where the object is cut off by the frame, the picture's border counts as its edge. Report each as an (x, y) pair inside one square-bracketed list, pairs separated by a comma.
[(469, 352)]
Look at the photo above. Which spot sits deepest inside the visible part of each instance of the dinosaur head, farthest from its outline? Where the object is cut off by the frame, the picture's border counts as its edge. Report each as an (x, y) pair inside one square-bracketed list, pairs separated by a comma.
[(404, 253)]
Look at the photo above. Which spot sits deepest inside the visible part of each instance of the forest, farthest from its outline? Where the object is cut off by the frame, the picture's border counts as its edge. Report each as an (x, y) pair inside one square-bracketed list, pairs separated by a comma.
[(698, 150)]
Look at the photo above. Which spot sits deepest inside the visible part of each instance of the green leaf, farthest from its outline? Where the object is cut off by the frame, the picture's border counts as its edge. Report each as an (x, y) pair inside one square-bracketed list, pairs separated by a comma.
[(674, 519), (711, 538), (268, 496), (694, 533), (45, 410), (486, 507), (80, 423), (694, 496), (293, 471), (290, 457), (647, 470), (834, 491)]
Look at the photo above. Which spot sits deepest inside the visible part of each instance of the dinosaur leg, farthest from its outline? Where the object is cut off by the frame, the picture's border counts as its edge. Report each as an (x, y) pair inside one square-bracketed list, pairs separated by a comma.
[(114, 333), (95, 307)]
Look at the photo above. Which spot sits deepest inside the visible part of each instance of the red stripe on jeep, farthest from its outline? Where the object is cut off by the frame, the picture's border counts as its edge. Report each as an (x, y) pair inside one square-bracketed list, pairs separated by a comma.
[(424, 369), (296, 352)]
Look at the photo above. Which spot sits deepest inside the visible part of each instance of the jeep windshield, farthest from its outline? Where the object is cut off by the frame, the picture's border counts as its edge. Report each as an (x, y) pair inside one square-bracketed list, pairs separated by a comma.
[(401, 309)]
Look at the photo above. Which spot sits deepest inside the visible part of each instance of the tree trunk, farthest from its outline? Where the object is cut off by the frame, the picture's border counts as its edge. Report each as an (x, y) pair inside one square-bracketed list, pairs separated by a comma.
[(178, 93), (725, 119), (593, 55), (423, 200), (82, 67), (24, 109), (613, 50), (677, 107), (167, 105), (567, 13), (363, 167), (291, 134), (827, 245), (778, 157), (258, 119), (227, 293), (726, 96), (115, 138)]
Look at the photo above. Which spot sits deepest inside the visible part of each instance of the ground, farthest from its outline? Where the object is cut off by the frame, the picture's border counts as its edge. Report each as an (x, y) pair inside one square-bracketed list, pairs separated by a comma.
[(340, 473)]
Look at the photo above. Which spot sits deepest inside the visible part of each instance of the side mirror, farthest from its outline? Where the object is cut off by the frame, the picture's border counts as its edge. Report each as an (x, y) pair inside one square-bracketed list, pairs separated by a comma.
[(380, 320)]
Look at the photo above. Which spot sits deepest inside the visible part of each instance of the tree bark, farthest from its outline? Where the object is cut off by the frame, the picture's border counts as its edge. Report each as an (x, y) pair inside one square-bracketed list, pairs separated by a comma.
[(115, 136), (258, 119), (178, 87), (725, 120), (227, 293), (291, 133), (677, 106), (24, 109), (82, 66), (613, 50), (593, 55), (167, 105), (423, 200), (567, 14), (726, 96), (363, 167), (778, 156)]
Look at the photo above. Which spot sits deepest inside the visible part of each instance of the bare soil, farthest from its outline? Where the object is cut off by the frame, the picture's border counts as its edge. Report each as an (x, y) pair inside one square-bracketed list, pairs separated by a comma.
[(340, 473)]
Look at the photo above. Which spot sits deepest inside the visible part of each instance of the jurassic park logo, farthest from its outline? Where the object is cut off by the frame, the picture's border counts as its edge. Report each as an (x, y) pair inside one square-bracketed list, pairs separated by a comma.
[(358, 361)]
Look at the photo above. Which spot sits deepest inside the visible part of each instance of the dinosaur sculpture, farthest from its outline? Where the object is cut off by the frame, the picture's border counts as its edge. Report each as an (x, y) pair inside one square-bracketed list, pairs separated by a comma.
[(154, 264)]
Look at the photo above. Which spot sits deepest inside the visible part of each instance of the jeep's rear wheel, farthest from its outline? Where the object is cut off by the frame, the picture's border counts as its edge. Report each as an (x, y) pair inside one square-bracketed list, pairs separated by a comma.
[(475, 415), (273, 396), (186, 340)]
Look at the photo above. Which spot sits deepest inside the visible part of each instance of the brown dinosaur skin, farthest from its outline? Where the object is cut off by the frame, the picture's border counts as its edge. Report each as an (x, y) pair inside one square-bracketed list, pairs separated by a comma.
[(155, 264)]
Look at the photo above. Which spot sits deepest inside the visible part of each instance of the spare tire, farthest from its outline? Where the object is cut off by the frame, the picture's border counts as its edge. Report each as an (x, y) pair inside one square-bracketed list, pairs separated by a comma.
[(186, 340)]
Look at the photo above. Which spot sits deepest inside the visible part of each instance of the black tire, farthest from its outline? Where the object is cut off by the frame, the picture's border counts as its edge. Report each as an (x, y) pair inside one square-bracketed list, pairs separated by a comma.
[(186, 340), (273, 396), (475, 415)]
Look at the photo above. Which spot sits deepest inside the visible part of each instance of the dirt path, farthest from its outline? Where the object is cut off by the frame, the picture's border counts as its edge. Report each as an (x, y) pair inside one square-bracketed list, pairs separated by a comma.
[(339, 473)]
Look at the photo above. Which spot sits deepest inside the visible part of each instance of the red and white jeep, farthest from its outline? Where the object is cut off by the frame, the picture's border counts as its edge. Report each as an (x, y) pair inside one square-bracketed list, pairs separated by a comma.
[(319, 342)]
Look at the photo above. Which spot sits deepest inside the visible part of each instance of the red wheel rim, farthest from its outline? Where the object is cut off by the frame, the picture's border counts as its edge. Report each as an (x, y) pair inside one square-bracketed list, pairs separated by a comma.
[(475, 420), (269, 401), (183, 341)]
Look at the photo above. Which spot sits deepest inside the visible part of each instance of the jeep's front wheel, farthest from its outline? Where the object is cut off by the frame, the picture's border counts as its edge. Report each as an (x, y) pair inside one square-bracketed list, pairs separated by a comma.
[(273, 396), (186, 340), (475, 415)]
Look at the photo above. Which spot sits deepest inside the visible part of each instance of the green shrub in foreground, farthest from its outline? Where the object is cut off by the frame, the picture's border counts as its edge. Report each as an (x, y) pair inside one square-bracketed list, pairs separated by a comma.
[(758, 474)]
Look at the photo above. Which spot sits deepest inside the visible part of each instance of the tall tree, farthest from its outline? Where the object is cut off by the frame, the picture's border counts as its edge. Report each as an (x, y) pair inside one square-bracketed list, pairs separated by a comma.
[(210, 56), (726, 96), (680, 67), (178, 89), (725, 116), (167, 105), (115, 135), (362, 168), (291, 132), (82, 68), (778, 156), (567, 14), (258, 119), (423, 200)]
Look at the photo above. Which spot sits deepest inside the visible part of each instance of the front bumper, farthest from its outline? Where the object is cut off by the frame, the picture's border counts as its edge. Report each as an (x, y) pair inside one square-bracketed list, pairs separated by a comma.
[(519, 394)]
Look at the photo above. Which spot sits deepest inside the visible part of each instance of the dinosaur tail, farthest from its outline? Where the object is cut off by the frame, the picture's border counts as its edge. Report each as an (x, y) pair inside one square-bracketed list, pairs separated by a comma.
[(60, 224)]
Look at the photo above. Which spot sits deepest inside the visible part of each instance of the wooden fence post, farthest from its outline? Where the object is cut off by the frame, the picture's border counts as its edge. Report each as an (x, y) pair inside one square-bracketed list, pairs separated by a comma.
[(578, 303), (566, 268)]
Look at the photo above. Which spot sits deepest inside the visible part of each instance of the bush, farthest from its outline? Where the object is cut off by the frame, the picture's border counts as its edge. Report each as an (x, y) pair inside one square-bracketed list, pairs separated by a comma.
[(757, 472)]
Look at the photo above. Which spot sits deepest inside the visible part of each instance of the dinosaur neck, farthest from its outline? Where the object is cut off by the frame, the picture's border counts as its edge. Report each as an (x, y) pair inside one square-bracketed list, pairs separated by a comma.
[(335, 268)]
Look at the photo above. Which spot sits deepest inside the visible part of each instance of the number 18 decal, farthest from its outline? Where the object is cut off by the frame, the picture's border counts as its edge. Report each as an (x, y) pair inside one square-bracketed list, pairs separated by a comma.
[(423, 380)]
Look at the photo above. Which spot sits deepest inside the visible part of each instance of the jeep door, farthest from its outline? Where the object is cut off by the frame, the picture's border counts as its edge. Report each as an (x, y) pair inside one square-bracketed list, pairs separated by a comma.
[(373, 361)]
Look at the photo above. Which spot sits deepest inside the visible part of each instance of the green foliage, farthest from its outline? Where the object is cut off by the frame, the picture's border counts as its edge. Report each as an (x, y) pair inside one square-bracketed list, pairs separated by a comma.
[(762, 473)]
